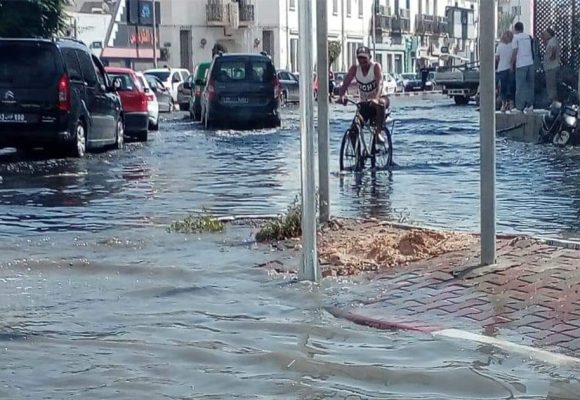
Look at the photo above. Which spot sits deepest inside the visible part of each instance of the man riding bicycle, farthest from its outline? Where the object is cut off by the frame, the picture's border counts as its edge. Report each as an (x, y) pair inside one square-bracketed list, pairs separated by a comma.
[(369, 76)]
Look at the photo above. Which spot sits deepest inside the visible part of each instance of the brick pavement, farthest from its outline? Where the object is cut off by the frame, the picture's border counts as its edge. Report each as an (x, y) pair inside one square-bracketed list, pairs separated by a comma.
[(532, 296)]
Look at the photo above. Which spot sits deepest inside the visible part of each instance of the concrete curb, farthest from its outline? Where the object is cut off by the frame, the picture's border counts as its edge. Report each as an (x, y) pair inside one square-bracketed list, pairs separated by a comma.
[(412, 94)]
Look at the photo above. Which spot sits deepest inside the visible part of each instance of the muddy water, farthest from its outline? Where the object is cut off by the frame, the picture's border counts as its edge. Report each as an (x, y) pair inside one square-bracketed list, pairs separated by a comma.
[(99, 301)]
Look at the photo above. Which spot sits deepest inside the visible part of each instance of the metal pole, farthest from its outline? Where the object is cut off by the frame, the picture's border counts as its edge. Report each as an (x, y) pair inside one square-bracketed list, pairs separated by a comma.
[(487, 13), (154, 34), (323, 90), (309, 270), (374, 16)]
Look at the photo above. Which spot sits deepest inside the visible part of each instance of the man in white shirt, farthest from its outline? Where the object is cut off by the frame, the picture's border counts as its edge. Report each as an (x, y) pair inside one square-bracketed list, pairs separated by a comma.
[(523, 58), (551, 63)]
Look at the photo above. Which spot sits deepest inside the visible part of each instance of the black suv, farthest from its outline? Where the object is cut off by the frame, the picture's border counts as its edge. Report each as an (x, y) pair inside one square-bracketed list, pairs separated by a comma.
[(241, 88), (56, 95)]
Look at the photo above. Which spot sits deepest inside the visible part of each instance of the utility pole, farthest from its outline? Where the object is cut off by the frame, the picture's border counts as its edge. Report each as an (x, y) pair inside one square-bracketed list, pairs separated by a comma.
[(487, 13), (323, 93), (154, 10), (374, 16), (309, 269)]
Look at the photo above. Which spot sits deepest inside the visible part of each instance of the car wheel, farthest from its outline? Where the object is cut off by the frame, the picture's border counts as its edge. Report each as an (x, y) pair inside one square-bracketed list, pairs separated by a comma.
[(78, 147), (120, 134), (154, 126), (283, 99), (183, 106)]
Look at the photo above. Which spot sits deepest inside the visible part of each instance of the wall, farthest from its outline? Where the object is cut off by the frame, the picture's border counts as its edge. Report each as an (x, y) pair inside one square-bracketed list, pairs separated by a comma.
[(91, 28)]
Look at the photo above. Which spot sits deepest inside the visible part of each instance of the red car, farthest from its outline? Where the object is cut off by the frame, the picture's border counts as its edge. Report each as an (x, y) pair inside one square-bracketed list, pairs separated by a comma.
[(134, 100)]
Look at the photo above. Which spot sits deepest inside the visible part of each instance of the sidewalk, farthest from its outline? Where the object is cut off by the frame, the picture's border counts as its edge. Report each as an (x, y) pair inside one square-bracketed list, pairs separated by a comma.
[(532, 296)]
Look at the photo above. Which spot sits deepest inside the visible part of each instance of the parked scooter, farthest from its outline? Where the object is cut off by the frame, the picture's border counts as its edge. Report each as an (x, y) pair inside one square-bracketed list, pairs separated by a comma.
[(559, 125)]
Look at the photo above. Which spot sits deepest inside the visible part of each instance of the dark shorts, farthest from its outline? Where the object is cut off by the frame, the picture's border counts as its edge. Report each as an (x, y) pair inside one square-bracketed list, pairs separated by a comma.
[(505, 80), (369, 110)]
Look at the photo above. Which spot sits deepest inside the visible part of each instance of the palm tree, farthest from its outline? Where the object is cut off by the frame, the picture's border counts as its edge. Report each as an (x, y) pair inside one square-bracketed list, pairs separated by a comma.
[(33, 18), (504, 23)]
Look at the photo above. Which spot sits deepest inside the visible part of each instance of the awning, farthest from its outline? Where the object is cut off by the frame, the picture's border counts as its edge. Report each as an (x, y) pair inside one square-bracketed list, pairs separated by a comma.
[(130, 53)]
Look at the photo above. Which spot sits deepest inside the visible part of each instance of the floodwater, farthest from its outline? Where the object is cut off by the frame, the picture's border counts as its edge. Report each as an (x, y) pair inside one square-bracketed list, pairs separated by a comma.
[(99, 301)]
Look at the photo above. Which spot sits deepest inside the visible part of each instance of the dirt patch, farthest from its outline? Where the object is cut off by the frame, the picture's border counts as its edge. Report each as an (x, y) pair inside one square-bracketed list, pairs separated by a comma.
[(350, 247)]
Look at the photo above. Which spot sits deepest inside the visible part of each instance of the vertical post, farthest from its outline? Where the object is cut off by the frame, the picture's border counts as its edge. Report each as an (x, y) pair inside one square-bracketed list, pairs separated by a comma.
[(487, 13), (154, 33), (309, 270), (374, 16), (323, 90)]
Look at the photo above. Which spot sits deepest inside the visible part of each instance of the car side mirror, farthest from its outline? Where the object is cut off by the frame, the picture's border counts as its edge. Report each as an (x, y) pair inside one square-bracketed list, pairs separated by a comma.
[(147, 90)]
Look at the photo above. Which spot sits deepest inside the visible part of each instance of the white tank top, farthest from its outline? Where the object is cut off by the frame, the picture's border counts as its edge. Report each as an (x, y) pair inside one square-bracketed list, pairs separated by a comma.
[(367, 84)]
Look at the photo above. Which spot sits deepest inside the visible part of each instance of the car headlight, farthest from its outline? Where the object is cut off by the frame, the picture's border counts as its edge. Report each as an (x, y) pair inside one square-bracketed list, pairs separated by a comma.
[(569, 120)]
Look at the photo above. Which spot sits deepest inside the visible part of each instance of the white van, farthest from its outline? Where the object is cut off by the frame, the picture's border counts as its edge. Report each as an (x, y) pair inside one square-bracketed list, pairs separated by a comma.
[(171, 78)]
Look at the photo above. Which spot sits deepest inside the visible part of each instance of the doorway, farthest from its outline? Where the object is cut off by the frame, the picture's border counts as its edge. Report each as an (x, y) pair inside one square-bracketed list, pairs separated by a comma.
[(185, 47)]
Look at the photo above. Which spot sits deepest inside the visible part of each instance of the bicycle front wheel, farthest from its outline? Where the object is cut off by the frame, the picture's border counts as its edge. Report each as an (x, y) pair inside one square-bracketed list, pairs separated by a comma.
[(382, 152), (351, 158)]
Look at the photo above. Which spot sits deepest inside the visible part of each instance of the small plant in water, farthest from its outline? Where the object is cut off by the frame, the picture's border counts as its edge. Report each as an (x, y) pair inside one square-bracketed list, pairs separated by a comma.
[(204, 222), (285, 226)]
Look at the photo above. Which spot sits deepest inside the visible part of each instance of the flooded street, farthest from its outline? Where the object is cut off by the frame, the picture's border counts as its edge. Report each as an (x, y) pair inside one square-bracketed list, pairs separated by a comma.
[(99, 301)]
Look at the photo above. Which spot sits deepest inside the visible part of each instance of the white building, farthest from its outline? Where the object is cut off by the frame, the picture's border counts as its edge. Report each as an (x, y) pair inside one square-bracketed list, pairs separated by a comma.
[(522, 11)]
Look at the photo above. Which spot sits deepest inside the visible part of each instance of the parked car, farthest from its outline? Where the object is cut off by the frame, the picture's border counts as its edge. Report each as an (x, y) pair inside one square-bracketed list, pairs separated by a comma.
[(134, 99), (339, 80), (412, 82), (152, 104), (184, 93), (241, 87), (161, 93), (199, 82), (54, 94), (389, 84), (290, 87), (171, 78)]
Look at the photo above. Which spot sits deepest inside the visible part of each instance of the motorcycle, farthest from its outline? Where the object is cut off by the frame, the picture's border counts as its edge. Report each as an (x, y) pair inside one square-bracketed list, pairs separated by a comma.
[(560, 123)]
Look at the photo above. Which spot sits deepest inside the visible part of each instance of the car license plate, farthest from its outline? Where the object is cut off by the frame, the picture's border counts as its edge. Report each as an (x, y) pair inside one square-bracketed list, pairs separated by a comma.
[(13, 118), (235, 100)]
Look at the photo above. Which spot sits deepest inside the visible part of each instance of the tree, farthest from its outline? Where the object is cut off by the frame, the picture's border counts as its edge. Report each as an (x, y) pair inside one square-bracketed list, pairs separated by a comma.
[(334, 49), (33, 18), (504, 23)]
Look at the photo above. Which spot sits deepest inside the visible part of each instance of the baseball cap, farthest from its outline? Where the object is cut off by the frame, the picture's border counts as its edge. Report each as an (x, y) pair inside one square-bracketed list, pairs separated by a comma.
[(363, 51)]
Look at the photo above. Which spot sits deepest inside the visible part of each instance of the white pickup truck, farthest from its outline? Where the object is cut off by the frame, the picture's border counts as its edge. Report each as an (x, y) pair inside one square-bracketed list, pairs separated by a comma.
[(460, 82)]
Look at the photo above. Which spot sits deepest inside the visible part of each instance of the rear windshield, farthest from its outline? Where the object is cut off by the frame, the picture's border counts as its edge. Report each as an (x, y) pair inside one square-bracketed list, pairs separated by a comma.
[(160, 74), (125, 81), (28, 65), (244, 71)]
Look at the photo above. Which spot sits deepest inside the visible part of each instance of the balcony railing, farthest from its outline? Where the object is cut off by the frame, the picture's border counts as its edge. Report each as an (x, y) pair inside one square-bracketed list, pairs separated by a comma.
[(425, 24), (218, 13), (247, 16), (441, 26)]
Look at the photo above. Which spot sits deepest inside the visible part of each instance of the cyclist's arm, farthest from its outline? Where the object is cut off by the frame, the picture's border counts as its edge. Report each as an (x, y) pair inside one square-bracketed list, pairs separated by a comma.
[(379, 77), (347, 80)]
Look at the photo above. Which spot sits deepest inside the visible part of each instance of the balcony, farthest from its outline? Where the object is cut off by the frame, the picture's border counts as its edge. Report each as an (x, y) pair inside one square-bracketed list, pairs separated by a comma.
[(441, 26), (247, 16), (228, 13), (425, 24)]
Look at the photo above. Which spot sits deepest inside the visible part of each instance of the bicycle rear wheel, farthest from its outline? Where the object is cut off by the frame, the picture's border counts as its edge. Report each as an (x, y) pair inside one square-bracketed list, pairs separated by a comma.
[(351, 158), (382, 152)]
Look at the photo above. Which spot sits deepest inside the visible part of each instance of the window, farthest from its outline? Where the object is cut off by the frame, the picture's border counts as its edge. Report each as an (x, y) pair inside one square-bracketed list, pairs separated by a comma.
[(87, 68), (72, 65), (348, 8), (294, 54), (99, 71), (360, 8), (125, 81), (292, 5), (517, 10), (176, 77), (27, 65), (335, 7), (162, 75)]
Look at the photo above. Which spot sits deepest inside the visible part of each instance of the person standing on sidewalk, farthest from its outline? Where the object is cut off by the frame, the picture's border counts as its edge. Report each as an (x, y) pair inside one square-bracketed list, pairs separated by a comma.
[(523, 57), (504, 70), (552, 63)]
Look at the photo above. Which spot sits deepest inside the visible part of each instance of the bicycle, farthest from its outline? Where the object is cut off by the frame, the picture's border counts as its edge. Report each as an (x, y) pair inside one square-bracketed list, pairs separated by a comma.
[(354, 151)]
